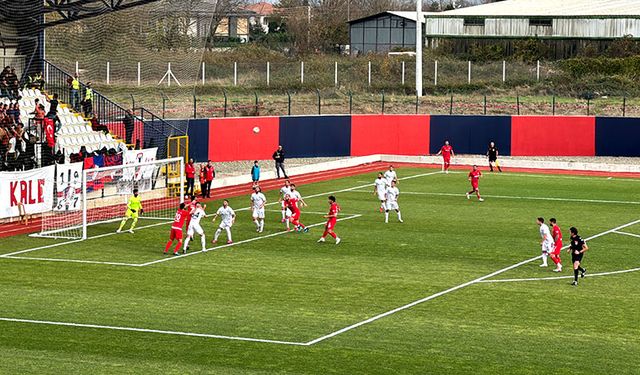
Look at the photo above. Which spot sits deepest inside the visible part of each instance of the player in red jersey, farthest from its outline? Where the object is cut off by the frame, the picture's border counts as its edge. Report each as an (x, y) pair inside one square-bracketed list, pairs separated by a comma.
[(557, 240), (332, 219), (190, 205), (474, 177), (176, 229), (447, 153), (292, 204)]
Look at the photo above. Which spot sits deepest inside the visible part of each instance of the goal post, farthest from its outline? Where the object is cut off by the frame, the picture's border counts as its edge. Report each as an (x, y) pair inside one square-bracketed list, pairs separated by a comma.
[(100, 196)]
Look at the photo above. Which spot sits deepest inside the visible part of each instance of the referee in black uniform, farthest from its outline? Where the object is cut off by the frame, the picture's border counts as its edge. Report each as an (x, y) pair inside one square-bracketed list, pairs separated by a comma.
[(492, 154), (577, 248)]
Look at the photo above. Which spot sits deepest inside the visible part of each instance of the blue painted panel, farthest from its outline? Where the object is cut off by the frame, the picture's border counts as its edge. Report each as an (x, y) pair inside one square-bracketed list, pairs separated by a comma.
[(617, 136), (198, 132), (316, 136), (470, 134)]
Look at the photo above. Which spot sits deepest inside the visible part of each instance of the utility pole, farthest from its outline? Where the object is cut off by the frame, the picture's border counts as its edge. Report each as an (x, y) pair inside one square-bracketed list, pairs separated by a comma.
[(419, 48)]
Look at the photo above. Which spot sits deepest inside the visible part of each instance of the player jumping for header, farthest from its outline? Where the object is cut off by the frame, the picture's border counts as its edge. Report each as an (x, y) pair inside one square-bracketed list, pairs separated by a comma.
[(291, 203), (176, 230), (258, 200), (474, 178), (194, 227), (447, 153), (285, 190), (332, 219), (134, 209), (227, 218)]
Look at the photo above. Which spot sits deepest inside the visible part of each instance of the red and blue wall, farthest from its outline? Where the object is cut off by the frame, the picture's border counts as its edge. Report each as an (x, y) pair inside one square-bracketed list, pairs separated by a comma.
[(225, 139)]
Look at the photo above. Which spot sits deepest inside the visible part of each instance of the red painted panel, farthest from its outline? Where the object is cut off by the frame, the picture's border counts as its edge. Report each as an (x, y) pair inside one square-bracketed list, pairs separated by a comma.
[(234, 138), (553, 136), (389, 134)]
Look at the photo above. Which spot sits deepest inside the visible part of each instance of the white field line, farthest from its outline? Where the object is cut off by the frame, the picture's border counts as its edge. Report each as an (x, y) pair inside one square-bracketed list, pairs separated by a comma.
[(74, 241), (517, 197), (145, 330), (560, 277), (627, 234), (464, 285), (238, 243), (565, 177), (73, 261)]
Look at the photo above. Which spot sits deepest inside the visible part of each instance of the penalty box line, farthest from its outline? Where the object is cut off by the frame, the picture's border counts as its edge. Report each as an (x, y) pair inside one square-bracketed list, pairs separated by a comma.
[(239, 242), (13, 254), (452, 289)]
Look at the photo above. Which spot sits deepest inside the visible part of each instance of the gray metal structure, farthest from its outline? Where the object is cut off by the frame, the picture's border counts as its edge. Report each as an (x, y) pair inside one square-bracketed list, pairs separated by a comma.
[(383, 32)]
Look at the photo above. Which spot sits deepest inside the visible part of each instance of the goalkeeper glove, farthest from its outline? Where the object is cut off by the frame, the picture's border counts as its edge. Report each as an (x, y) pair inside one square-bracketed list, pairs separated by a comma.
[(141, 211), (132, 210)]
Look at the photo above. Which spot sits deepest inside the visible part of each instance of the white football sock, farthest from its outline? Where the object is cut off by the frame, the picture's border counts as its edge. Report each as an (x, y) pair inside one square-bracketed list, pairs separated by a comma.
[(261, 225), (386, 216), (399, 216), (203, 242), (186, 242), (228, 234), (215, 236), (544, 258)]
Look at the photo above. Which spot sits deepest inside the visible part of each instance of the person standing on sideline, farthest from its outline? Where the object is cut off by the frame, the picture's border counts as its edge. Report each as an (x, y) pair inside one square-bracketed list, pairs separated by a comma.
[(447, 153), (577, 248), (129, 126), (202, 177), (546, 241), (278, 156), (492, 154), (211, 174), (556, 233), (190, 173), (255, 174)]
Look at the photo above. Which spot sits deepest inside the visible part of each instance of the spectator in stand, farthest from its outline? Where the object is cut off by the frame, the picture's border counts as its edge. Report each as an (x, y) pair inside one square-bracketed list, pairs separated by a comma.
[(129, 126), (211, 174), (75, 93), (11, 155), (87, 104), (36, 81), (278, 156), (190, 172), (12, 80), (13, 113), (202, 177), (96, 126), (5, 91)]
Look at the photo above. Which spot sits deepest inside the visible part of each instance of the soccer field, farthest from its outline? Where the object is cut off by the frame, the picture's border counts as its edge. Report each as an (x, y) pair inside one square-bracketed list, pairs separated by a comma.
[(455, 289)]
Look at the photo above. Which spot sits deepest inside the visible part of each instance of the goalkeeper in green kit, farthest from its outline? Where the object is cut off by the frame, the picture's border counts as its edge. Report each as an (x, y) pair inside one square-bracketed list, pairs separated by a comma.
[(134, 209)]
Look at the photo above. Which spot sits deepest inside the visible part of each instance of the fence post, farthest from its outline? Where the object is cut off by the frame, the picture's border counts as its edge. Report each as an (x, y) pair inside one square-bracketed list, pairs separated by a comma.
[(538, 71), (417, 103), (235, 73), (133, 102), (164, 104), (485, 105), (469, 75), (335, 73), (504, 71), (139, 74), (268, 73), (553, 105), (624, 106), (588, 106), (255, 93), (224, 111), (195, 106), (108, 73), (435, 74), (204, 77), (77, 67), (383, 102), (403, 73), (289, 103), (319, 104), (518, 104), (302, 72), (369, 73), (451, 105), (350, 101)]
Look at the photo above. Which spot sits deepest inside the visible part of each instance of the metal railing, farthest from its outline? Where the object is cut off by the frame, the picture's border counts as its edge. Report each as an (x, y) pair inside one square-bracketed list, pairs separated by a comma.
[(110, 113)]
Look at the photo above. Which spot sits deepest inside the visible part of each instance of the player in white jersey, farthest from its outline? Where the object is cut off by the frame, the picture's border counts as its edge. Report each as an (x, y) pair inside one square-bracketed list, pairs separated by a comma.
[(197, 213), (391, 195), (391, 175), (258, 200), (285, 190), (546, 241), (380, 189), (227, 218)]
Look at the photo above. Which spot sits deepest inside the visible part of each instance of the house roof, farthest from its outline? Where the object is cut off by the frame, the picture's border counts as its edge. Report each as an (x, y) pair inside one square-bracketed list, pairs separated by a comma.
[(409, 15), (262, 8), (541, 8)]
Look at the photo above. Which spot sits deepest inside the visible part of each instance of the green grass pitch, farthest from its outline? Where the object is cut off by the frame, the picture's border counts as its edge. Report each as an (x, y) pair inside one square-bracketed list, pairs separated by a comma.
[(290, 289)]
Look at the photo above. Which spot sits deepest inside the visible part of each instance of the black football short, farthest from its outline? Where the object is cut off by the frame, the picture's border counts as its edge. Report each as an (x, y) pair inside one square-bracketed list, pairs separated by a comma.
[(576, 258)]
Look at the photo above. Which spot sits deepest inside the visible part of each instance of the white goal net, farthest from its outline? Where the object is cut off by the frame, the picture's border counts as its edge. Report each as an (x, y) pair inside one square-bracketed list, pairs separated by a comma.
[(95, 197)]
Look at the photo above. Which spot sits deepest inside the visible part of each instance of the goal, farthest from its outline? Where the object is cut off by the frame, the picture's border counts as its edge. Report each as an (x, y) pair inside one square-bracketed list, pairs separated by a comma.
[(96, 197)]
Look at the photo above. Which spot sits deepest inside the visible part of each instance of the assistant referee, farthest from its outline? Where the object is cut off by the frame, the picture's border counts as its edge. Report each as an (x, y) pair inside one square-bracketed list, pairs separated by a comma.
[(577, 248)]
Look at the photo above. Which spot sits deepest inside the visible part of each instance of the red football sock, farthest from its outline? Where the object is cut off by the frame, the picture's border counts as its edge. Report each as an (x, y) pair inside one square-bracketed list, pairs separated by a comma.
[(166, 248), (325, 233), (178, 246), (333, 235)]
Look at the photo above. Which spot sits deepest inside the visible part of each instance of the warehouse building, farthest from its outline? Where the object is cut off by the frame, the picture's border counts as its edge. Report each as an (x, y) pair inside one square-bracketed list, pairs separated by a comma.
[(566, 26)]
